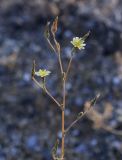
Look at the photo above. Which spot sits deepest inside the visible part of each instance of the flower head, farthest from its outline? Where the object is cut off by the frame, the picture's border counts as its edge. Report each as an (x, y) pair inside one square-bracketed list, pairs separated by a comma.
[(78, 43), (42, 73)]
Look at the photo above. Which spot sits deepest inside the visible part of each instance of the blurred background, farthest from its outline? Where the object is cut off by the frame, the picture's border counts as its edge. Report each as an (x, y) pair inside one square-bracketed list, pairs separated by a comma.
[(29, 120)]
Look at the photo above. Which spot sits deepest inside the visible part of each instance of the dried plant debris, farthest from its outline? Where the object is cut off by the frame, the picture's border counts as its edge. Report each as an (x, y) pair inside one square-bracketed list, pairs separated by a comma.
[(9, 61), (100, 119)]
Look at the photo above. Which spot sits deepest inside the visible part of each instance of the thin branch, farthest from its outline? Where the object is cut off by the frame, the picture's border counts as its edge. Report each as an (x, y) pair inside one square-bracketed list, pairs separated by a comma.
[(60, 63), (69, 65), (53, 48), (64, 90), (75, 121), (47, 92), (82, 114), (59, 54), (50, 44), (37, 83), (70, 62), (63, 116)]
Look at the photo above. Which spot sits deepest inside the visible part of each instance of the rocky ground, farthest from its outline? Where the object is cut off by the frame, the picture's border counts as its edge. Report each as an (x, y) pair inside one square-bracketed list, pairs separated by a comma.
[(29, 120)]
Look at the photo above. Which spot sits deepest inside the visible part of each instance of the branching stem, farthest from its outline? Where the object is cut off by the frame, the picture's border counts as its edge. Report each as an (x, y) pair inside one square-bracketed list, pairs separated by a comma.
[(47, 92), (50, 44), (37, 83), (55, 46), (63, 116), (75, 121), (59, 54)]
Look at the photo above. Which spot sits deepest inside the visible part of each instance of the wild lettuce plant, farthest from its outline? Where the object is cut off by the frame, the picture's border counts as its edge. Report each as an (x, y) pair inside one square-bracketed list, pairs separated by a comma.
[(77, 43)]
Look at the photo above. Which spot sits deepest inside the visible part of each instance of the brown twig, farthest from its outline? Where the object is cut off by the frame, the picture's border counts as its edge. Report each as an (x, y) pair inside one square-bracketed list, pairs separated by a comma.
[(82, 114), (70, 62), (75, 121), (59, 54), (37, 83), (63, 116), (49, 94), (46, 91), (51, 46), (60, 63)]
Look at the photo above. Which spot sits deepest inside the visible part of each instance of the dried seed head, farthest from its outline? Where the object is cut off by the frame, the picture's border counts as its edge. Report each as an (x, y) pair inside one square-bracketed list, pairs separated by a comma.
[(54, 26)]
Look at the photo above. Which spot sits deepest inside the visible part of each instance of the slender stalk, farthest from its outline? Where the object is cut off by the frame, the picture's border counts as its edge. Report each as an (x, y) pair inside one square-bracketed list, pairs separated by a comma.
[(82, 114), (55, 46), (47, 92), (37, 83), (69, 65), (75, 121), (63, 117), (62, 141), (59, 54), (50, 44), (70, 62), (60, 63), (56, 50)]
